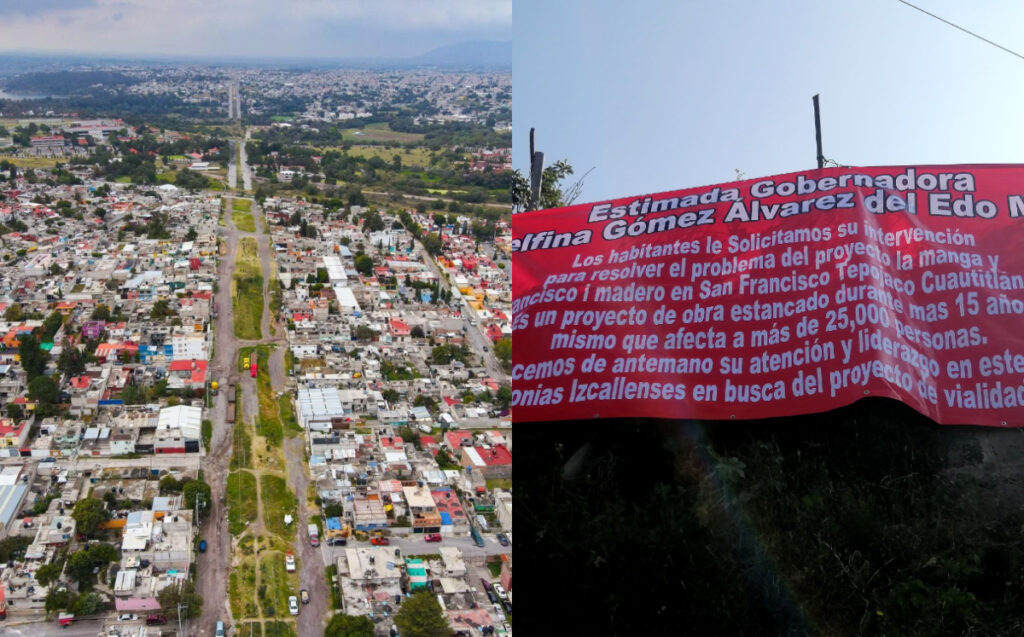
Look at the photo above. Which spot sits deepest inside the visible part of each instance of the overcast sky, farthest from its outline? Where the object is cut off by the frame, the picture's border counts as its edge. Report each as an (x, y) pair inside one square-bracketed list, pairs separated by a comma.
[(660, 95), (262, 28)]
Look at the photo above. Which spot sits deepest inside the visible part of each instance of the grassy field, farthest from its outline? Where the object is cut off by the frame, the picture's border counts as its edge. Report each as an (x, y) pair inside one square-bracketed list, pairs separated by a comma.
[(273, 415), (278, 500), (242, 590), (248, 629), (207, 431), (410, 156), (30, 162), (277, 629), (494, 568), (275, 585), (241, 494), (287, 414), (379, 132), (243, 221), (242, 456), (499, 483), (242, 205), (247, 291), (330, 573)]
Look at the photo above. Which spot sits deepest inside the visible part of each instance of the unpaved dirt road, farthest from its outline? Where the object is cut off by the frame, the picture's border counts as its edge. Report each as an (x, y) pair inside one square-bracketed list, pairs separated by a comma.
[(212, 567)]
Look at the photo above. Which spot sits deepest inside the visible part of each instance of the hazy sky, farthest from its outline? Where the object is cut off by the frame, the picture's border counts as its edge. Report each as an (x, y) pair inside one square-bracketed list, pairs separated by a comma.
[(660, 95), (264, 28)]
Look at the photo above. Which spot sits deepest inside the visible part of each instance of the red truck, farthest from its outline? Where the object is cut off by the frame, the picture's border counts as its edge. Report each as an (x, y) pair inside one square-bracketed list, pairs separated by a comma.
[(252, 369)]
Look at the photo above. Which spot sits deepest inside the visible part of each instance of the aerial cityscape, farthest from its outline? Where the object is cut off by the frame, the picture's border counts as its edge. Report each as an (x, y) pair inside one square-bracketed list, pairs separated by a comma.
[(257, 336)]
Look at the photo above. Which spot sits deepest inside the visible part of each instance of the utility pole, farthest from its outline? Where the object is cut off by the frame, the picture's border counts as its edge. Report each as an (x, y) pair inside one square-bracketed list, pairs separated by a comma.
[(536, 175), (180, 632), (817, 131)]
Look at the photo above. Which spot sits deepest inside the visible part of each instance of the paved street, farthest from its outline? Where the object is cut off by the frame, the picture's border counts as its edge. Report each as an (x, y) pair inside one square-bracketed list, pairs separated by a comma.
[(416, 545)]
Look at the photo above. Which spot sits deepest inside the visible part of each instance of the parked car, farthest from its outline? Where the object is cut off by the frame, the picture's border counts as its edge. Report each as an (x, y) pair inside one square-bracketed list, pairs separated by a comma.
[(380, 541), (499, 590), (127, 617), (289, 562), (156, 620), (293, 605), (220, 630), (304, 595), (432, 537), (487, 585), (202, 546), (502, 539)]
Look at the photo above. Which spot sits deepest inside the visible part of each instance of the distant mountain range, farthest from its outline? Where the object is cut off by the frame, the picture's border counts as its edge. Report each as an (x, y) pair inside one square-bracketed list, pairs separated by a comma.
[(481, 53), (475, 54)]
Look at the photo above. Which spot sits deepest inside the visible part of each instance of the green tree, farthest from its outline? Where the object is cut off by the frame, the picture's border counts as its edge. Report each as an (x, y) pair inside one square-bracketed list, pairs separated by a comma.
[(503, 351), (51, 325), (79, 567), (191, 235), (444, 460), (374, 222), (169, 484), (89, 604), (15, 411), (49, 573), (59, 600), (103, 553), (71, 361), (421, 616), (33, 359), (13, 313), (100, 313), (161, 309), (365, 333), (184, 597), (504, 396), (89, 513), (349, 626), (390, 395), (422, 400), (432, 243), (43, 390), (13, 547), (197, 490), (364, 264), (552, 193)]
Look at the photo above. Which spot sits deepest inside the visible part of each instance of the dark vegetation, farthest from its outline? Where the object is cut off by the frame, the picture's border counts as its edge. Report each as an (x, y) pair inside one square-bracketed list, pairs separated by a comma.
[(868, 520), (66, 82), (446, 170)]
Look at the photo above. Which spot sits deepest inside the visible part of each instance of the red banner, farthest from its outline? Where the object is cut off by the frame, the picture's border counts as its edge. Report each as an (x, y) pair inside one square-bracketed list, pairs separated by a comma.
[(784, 295)]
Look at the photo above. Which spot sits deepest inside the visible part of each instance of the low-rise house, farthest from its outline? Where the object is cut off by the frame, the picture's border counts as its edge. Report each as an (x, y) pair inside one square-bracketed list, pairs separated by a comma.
[(493, 461)]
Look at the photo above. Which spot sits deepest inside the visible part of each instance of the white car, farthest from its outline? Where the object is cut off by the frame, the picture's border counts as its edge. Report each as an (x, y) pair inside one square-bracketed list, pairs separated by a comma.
[(289, 562), (127, 617), (293, 605), (499, 590)]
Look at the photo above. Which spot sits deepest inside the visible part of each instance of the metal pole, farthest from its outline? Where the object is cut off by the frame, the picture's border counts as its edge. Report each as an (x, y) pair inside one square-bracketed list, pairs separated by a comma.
[(817, 131)]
